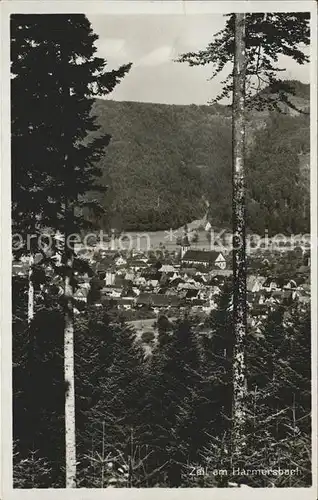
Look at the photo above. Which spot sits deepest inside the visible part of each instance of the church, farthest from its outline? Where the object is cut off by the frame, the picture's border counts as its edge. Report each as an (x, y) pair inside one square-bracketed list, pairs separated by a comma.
[(207, 258)]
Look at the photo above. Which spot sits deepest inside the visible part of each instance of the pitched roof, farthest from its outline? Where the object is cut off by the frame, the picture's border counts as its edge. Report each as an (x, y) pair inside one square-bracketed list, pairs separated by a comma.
[(199, 302), (81, 292), (125, 300), (268, 281), (158, 299), (106, 263), (221, 272), (251, 281), (189, 271), (137, 263), (167, 268), (151, 274), (201, 255), (191, 293)]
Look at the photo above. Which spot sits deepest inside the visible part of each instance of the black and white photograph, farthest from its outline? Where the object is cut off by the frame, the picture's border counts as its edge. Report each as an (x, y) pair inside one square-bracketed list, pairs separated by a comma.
[(162, 229)]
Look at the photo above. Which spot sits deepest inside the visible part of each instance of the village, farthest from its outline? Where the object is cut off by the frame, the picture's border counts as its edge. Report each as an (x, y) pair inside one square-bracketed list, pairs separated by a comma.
[(140, 286)]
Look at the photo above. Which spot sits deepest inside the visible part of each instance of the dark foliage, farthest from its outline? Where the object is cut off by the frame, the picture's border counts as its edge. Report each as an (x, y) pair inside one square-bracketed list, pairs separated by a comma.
[(52, 159), (164, 414)]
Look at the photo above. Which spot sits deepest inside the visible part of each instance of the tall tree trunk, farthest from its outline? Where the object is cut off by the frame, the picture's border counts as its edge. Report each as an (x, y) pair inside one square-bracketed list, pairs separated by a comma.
[(30, 290), (239, 242), (32, 414), (70, 434)]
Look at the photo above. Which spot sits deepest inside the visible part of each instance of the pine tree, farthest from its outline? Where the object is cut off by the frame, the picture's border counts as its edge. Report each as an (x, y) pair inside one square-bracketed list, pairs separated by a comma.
[(279, 396), (110, 392), (252, 42), (56, 78), (218, 355), (172, 405)]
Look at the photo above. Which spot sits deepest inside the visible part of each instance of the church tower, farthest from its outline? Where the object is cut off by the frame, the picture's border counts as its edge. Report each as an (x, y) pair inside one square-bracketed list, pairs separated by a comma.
[(185, 245)]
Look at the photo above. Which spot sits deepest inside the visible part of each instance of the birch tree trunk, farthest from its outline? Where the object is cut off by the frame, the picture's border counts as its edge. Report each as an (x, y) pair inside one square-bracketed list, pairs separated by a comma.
[(31, 348), (239, 242), (30, 290), (70, 433)]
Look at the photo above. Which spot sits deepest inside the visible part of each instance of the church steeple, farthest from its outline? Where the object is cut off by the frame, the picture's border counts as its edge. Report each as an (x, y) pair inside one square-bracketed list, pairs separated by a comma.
[(185, 244)]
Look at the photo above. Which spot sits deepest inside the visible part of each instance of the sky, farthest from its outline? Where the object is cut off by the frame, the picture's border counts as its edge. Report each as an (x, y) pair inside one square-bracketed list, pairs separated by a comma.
[(151, 42)]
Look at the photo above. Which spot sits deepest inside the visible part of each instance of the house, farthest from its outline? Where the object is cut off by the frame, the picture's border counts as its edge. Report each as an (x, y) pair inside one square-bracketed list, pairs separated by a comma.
[(129, 276), (254, 283), (191, 294), (111, 291), (84, 285), (188, 286), (81, 294), (139, 281), (151, 274), (110, 276), (199, 303), (84, 278), (137, 264), (207, 258), (125, 303), (120, 261), (107, 252), (270, 284), (259, 297), (290, 285), (221, 272), (153, 283), (198, 279), (188, 272), (104, 264), (168, 268), (175, 282)]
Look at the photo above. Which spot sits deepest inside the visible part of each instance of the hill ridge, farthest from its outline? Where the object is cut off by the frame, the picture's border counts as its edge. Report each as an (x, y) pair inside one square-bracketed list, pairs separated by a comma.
[(154, 162)]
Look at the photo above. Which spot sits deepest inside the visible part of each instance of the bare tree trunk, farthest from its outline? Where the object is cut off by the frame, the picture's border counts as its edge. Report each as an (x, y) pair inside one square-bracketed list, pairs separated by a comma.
[(31, 352), (70, 436), (239, 243), (30, 290)]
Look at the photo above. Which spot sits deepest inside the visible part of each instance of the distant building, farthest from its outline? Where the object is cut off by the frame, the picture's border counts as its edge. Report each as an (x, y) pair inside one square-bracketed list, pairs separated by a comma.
[(168, 268), (185, 245), (255, 283), (110, 277), (210, 259), (221, 272)]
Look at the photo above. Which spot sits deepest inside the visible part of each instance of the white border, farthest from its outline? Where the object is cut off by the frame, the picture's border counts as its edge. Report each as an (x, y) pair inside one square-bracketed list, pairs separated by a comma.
[(119, 7), (168, 7)]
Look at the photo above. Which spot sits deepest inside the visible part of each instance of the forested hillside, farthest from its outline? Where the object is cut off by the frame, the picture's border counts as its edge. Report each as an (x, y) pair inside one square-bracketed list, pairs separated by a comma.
[(163, 160)]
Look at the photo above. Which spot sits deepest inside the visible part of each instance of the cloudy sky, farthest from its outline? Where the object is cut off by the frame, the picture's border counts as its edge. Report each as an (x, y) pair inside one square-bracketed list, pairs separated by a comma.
[(151, 42)]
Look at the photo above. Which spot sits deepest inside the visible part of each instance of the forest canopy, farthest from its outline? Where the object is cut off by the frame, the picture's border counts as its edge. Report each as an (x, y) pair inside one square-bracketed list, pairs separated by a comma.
[(163, 161)]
